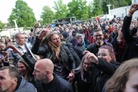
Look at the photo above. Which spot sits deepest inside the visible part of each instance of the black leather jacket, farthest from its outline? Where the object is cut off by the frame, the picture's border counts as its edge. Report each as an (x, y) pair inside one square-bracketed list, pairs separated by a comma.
[(65, 54)]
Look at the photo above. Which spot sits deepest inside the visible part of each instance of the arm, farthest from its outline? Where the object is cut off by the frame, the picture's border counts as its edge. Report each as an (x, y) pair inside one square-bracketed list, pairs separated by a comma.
[(108, 68), (127, 20), (71, 59), (125, 29), (36, 49), (27, 59), (104, 66)]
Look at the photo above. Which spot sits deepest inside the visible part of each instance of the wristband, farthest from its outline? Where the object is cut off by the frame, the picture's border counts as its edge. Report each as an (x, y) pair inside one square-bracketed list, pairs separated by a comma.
[(131, 11)]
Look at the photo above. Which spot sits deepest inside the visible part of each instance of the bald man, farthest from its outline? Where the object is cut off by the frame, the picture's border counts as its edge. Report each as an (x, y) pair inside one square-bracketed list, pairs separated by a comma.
[(49, 82)]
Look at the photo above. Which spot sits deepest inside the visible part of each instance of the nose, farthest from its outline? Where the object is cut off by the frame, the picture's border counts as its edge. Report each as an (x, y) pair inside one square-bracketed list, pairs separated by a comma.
[(98, 36), (33, 73), (19, 69)]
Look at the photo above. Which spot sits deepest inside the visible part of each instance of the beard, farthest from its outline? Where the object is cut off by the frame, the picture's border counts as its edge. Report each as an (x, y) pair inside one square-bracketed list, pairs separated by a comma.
[(100, 43)]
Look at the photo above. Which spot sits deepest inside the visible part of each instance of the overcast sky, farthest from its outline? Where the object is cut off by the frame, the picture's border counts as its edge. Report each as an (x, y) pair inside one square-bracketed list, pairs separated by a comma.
[(6, 7)]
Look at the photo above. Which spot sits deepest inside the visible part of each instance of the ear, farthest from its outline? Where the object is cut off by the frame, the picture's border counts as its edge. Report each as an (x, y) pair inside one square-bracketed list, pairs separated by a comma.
[(14, 80), (113, 57), (47, 72)]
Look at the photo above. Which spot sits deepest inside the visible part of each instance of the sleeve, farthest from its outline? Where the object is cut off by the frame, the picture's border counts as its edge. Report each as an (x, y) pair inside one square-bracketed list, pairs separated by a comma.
[(29, 61), (126, 31), (71, 59), (107, 67), (36, 49)]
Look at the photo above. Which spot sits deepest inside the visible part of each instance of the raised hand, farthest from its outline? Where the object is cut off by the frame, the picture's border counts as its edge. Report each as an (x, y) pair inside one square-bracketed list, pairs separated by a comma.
[(6, 55), (133, 8), (91, 57), (15, 49), (44, 32), (37, 24)]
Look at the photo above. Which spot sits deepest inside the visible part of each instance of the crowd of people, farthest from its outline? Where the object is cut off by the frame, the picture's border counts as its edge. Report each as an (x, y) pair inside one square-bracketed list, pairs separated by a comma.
[(94, 56)]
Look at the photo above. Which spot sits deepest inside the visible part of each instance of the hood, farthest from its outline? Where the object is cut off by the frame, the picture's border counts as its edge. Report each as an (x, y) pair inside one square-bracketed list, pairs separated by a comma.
[(25, 86)]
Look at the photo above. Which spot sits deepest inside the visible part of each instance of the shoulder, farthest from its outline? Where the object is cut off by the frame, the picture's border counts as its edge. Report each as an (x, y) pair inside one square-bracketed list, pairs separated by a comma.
[(107, 43), (26, 90), (91, 45), (24, 85), (62, 82)]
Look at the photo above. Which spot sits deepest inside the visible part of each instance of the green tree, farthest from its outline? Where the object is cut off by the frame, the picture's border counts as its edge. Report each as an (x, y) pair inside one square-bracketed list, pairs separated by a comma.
[(23, 13), (47, 15), (1, 26), (104, 7), (97, 8), (116, 3), (60, 9), (78, 8)]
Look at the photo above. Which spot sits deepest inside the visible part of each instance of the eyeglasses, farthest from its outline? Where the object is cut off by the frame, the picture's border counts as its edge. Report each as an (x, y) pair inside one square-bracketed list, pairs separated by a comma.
[(26, 37), (101, 54), (89, 64), (98, 35)]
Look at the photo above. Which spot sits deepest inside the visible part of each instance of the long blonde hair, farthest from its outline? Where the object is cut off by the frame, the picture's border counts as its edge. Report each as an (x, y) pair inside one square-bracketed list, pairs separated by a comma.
[(118, 81), (53, 47)]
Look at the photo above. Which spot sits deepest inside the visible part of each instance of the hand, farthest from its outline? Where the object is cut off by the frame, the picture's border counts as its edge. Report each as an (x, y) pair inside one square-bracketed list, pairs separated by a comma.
[(133, 8), (44, 33), (13, 48), (6, 55), (91, 57), (71, 76), (37, 24)]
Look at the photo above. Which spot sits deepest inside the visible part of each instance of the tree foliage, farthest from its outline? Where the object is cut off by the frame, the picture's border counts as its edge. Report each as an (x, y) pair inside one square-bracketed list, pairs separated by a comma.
[(100, 6), (1, 25), (116, 3), (97, 8), (60, 9), (78, 8), (47, 15), (75, 8), (23, 13)]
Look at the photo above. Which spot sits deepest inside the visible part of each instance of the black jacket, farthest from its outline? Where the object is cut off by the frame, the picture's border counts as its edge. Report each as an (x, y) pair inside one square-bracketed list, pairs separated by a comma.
[(79, 48), (30, 65), (45, 51), (83, 80), (131, 48), (93, 48), (57, 85), (102, 72), (75, 55)]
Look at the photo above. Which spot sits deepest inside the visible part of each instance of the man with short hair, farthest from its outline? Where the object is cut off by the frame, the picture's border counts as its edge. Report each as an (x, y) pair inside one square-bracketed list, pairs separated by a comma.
[(23, 46), (79, 48), (98, 41), (11, 81), (49, 82)]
